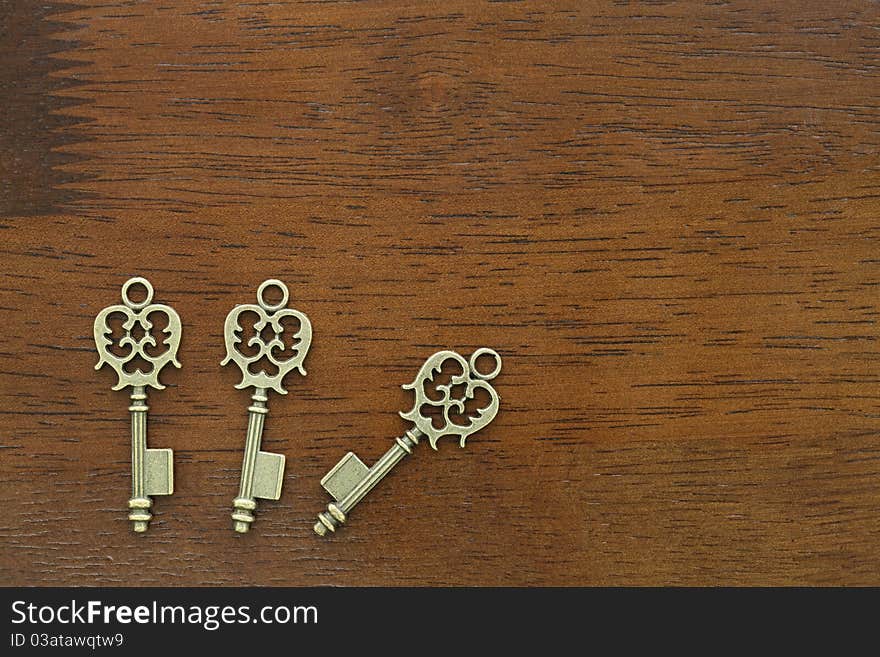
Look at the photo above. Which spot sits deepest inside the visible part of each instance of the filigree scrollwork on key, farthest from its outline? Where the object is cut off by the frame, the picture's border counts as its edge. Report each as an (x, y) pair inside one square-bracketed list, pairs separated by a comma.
[(456, 412), (137, 339), (270, 350)]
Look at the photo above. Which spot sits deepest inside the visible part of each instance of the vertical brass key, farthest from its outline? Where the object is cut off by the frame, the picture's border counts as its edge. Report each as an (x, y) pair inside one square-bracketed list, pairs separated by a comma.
[(349, 481), (263, 367), (152, 470)]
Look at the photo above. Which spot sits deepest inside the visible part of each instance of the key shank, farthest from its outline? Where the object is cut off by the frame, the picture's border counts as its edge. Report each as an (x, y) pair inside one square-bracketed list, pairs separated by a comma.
[(152, 470), (350, 481), (261, 472), (139, 504)]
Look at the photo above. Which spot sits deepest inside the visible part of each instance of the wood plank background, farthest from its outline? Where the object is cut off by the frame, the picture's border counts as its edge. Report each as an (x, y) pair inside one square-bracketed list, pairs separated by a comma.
[(664, 215)]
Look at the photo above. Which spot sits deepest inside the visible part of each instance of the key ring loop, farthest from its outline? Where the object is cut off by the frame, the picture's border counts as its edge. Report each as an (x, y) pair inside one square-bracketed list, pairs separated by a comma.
[(127, 300), (485, 351), (261, 297)]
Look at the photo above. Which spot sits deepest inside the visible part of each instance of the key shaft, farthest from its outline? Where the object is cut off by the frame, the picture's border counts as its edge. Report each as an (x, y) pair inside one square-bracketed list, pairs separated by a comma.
[(140, 503), (245, 503), (337, 512)]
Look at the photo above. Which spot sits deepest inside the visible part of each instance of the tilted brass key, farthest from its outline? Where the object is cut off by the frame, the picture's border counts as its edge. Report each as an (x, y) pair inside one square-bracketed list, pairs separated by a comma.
[(264, 368), (350, 480), (152, 470)]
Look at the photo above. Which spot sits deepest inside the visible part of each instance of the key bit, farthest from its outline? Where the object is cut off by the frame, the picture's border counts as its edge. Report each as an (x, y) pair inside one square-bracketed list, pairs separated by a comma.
[(263, 367), (152, 470), (350, 480)]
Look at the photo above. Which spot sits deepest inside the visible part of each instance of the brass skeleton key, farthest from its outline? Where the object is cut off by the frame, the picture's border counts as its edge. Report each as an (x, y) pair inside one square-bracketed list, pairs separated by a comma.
[(262, 472), (350, 480), (152, 470)]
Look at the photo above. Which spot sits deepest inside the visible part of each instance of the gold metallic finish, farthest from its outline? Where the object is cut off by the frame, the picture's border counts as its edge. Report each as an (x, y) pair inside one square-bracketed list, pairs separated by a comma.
[(152, 470), (262, 473), (349, 481)]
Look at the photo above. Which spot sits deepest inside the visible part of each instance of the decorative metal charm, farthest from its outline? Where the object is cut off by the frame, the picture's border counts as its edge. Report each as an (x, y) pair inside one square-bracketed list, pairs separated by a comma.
[(152, 470), (350, 480), (262, 472)]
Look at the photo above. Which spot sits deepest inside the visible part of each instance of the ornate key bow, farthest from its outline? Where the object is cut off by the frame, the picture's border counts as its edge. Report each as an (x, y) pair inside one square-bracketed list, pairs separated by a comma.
[(350, 480), (451, 405), (139, 365), (265, 368)]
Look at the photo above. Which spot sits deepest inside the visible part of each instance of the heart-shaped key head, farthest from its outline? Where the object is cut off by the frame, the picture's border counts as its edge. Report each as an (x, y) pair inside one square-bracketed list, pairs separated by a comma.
[(274, 342), (128, 339), (452, 396)]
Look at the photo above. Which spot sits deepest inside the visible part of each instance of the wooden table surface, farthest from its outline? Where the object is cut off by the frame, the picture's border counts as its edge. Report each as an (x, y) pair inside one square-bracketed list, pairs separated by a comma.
[(664, 216)]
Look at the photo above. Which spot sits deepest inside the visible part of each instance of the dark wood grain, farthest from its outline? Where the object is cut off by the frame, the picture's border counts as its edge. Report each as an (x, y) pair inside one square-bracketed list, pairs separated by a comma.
[(35, 50), (663, 215)]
